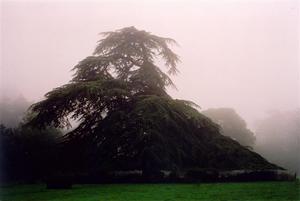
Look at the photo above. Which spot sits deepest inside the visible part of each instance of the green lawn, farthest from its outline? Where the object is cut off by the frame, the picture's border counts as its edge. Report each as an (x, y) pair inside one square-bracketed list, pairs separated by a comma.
[(271, 191)]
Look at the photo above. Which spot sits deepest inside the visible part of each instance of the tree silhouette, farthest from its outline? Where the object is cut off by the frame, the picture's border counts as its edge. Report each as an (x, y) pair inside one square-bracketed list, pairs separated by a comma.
[(126, 118)]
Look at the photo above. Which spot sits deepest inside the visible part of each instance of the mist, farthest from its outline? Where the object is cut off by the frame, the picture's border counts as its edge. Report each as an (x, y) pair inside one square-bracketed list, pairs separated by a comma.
[(240, 54)]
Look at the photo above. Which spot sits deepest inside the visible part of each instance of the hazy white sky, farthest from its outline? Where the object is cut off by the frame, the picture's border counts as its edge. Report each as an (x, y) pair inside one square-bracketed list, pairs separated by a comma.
[(241, 54)]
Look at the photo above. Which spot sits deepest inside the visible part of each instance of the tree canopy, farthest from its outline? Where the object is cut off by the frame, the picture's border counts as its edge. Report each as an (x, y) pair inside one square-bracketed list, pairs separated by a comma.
[(126, 118)]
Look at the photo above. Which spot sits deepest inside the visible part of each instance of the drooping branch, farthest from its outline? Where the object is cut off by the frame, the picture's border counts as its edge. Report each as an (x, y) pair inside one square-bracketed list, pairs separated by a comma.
[(79, 101)]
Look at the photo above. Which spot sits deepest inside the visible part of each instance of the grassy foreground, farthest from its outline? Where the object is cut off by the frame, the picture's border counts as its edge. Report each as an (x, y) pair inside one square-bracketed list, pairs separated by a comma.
[(270, 191)]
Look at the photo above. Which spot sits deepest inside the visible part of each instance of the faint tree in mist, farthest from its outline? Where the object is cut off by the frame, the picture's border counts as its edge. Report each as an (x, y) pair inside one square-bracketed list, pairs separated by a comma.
[(278, 139), (232, 125), (12, 111)]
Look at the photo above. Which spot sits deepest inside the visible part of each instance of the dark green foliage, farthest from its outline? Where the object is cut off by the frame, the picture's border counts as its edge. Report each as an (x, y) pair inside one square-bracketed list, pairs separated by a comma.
[(27, 154), (232, 125), (126, 118)]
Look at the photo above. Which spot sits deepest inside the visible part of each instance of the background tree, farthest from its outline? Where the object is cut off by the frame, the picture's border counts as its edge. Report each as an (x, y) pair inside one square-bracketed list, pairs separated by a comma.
[(232, 125), (27, 154), (12, 111), (278, 138), (126, 118)]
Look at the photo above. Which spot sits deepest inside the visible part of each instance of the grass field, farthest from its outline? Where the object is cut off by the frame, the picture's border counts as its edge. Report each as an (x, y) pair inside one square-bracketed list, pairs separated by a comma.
[(270, 191)]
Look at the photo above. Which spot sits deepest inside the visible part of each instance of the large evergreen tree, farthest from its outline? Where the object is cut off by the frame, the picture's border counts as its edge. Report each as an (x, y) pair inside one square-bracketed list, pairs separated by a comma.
[(126, 118)]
